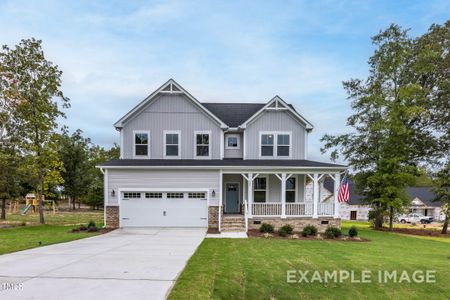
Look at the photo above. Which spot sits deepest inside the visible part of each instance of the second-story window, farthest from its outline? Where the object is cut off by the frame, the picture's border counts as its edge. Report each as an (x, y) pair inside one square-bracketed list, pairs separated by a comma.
[(141, 143), (275, 145), (267, 144), (283, 144), (202, 142), (172, 144)]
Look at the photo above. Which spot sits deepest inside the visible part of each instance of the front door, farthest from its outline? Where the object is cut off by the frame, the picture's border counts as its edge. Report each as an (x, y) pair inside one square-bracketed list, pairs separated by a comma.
[(232, 198), (353, 215)]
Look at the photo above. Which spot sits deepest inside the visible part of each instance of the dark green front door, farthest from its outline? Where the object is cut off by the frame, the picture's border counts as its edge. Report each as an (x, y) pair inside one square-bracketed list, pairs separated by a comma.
[(232, 198)]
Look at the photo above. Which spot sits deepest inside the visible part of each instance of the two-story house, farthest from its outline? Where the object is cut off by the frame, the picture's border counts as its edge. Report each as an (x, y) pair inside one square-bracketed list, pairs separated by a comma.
[(225, 166)]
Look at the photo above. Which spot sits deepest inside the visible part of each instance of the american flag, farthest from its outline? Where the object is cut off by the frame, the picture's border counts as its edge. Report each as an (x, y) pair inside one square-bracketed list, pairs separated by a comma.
[(343, 194)]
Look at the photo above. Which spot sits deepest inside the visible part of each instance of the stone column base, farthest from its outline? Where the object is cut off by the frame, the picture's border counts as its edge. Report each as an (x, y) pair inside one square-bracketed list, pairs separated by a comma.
[(112, 217)]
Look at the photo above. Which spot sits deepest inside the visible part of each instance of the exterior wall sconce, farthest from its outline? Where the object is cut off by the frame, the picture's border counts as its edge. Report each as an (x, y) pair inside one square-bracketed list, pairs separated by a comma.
[(113, 193), (213, 193)]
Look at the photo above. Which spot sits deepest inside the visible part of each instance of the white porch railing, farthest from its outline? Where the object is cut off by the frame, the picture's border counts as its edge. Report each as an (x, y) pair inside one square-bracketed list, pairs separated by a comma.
[(266, 209), (299, 209), (325, 209), (246, 215)]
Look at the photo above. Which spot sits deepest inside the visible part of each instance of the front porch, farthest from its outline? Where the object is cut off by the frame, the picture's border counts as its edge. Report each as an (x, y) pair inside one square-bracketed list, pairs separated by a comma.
[(295, 197)]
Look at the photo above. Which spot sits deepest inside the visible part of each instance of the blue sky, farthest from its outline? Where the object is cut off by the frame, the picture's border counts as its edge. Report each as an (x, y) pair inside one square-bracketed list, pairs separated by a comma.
[(114, 53)]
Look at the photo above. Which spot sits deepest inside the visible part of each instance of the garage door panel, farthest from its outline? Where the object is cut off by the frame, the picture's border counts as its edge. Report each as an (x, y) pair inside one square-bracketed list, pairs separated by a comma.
[(164, 212)]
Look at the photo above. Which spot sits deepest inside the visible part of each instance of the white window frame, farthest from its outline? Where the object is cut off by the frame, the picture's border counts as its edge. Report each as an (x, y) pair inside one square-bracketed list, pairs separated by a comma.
[(275, 144), (238, 137), (134, 143), (166, 132), (208, 132), (295, 188), (267, 189)]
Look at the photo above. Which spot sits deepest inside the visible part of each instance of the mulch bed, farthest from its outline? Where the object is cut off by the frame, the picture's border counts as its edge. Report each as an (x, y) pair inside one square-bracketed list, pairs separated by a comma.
[(213, 230), (416, 231), (100, 230), (298, 236)]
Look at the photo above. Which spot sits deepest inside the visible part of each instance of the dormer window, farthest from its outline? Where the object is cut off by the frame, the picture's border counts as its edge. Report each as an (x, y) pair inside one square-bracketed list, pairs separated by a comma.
[(232, 141), (141, 143), (172, 144)]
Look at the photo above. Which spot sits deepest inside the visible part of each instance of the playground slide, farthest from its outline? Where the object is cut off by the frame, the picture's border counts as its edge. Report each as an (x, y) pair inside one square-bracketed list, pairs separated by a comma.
[(24, 210)]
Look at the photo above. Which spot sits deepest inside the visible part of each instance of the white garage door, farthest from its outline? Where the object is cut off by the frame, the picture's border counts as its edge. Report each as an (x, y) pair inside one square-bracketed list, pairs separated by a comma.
[(164, 209)]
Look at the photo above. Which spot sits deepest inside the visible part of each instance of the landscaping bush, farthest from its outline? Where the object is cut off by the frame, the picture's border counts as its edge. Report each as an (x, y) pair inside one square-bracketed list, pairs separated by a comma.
[(353, 231), (82, 228), (333, 232), (91, 224), (92, 229), (309, 230), (286, 230), (267, 228)]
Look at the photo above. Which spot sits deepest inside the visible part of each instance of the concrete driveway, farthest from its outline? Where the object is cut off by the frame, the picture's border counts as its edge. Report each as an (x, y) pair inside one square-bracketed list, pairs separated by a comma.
[(141, 263)]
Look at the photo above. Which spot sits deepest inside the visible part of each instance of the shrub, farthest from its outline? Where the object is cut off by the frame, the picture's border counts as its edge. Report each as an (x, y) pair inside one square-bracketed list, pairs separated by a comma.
[(92, 229), (309, 230), (91, 224), (268, 228), (286, 230), (353, 231), (333, 232), (23, 223), (82, 228)]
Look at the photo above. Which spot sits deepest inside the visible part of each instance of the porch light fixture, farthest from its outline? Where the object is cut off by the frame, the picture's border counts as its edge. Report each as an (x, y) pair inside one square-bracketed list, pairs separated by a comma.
[(113, 193), (213, 193)]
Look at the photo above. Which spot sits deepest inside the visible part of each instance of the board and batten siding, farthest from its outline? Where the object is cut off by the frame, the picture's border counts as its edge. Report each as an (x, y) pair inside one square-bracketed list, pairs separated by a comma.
[(163, 179), (275, 121), (171, 113), (275, 188)]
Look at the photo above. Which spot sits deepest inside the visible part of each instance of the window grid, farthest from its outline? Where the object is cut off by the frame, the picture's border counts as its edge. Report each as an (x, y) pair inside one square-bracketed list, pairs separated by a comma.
[(259, 190), (197, 195), (172, 144), (131, 195), (153, 195), (202, 144), (141, 143), (175, 195), (275, 141)]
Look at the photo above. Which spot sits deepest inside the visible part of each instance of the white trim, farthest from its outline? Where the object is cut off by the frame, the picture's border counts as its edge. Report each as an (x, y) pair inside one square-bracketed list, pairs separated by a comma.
[(121, 143), (167, 190), (237, 136), (307, 124), (165, 132), (220, 201), (275, 144), (221, 144), (239, 195), (153, 95), (208, 132), (244, 146), (148, 143), (105, 196), (306, 144), (237, 169)]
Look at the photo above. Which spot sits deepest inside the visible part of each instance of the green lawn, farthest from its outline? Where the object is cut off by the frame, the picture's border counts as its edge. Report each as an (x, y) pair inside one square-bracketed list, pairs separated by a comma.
[(257, 268), (55, 231)]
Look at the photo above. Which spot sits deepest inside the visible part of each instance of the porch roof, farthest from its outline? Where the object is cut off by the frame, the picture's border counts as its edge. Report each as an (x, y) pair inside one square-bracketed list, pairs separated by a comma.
[(257, 163)]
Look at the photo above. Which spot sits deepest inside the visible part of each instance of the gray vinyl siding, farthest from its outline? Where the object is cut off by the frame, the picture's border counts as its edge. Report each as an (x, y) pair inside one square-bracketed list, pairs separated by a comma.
[(275, 188), (233, 153), (275, 121), (162, 179), (171, 112)]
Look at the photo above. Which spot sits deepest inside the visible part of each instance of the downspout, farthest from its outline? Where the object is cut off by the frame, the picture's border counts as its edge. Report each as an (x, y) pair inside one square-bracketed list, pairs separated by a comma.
[(104, 197)]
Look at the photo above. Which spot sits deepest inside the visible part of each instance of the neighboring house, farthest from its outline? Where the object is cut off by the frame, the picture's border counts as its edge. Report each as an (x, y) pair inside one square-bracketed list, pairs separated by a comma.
[(421, 202), (225, 166)]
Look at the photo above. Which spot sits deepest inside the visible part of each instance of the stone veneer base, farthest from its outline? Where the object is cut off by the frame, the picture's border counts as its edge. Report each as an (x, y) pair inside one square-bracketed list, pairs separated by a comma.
[(112, 217)]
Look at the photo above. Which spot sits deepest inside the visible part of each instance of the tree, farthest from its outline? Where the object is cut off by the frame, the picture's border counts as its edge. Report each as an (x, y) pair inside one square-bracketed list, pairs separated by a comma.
[(441, 187), (74, 153), (395, 124), (38, 83)]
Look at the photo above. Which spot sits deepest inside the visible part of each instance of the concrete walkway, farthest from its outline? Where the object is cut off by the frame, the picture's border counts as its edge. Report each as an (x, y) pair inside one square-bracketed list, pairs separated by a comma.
[(123, 264)]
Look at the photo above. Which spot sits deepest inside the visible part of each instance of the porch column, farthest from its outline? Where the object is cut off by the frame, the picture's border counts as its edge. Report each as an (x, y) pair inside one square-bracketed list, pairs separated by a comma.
[(283, 195), (250, 194), (337, 182), (315, 195)]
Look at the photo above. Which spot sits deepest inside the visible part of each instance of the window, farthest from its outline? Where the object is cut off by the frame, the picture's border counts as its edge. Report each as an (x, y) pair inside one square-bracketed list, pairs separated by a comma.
[(275, 144), (202, 144), (141, 143), (260, 189), (175, 195), (129, 195), (153, 195), (232, 141), (197, 195), (267, 144), (283, 144), (172, 144), (290, 190)]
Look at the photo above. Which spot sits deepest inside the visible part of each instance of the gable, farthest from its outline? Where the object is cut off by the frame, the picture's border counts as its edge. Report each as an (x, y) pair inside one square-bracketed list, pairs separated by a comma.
[(169, 88)]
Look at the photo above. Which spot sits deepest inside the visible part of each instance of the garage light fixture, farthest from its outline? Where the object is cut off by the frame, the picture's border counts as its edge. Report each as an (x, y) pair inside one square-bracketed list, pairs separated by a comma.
[(113, 193), (213, 193)]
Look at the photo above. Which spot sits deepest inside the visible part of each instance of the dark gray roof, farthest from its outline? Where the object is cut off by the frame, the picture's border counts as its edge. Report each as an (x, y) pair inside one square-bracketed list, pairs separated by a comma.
[(425, 194), (233, 114), (215, 163)]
